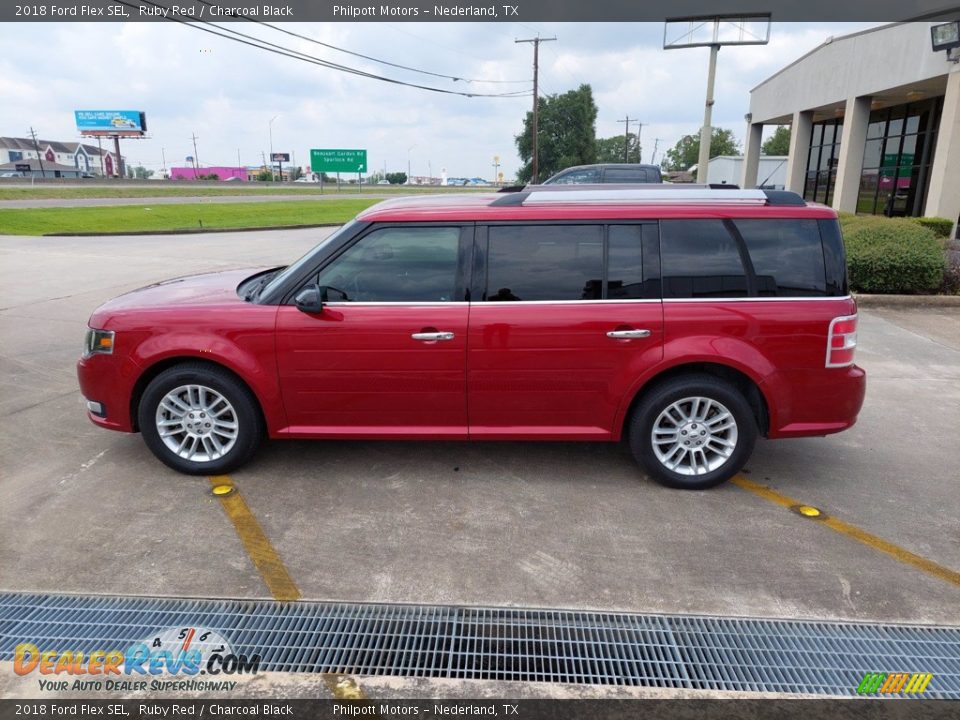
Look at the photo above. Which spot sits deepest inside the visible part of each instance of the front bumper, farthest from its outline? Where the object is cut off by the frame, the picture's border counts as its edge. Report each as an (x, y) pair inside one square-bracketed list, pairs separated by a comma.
[(108, 380)]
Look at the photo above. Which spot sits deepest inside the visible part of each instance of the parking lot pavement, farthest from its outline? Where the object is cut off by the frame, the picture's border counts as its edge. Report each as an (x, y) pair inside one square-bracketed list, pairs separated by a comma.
[(524, 524)]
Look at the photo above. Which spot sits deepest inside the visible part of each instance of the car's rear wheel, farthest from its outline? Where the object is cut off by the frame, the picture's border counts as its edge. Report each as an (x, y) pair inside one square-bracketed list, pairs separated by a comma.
[(693, 432), (200, 420)]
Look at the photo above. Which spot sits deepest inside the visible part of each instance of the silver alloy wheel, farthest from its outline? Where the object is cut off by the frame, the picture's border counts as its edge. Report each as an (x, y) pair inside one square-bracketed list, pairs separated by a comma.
[(197, 423), (694, 436)]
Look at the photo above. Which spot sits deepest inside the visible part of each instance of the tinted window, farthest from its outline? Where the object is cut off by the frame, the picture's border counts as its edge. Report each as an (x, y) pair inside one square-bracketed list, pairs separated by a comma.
[(700, 259), (625, 261), (577, 177), (545, 262), (787, 256), (396, 265), (631, 175)]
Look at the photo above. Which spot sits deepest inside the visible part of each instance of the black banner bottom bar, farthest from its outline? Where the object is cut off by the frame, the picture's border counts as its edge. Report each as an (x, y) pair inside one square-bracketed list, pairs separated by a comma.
[(538, 709)]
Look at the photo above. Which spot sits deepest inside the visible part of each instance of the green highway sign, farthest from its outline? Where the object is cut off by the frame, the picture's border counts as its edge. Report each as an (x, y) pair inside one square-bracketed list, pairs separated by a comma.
[(333, 161)]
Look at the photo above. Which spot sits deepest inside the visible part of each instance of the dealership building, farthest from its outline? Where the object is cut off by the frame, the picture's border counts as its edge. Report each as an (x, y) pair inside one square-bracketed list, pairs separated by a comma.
[(875, 124)]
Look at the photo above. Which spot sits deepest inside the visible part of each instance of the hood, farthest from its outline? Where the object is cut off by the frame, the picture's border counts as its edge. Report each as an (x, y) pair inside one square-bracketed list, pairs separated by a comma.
[(215, 288)]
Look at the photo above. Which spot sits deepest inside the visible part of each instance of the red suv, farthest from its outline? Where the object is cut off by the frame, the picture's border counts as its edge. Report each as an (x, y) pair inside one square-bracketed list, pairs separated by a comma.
[(687, 320)]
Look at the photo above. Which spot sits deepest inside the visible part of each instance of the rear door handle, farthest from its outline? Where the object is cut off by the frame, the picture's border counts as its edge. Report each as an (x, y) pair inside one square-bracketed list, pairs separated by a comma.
[(432, 336), (628, 334)]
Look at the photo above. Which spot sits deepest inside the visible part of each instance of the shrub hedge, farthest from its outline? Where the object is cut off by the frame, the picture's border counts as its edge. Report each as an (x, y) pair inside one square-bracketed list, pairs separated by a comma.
[(887, 255), (941, 226)]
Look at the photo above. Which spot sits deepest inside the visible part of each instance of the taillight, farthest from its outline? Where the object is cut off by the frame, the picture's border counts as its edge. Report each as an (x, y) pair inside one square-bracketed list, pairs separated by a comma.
[(841, 341)]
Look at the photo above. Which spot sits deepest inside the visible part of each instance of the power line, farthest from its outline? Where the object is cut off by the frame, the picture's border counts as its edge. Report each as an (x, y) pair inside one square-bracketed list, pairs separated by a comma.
[(369, 57), (303, 57)]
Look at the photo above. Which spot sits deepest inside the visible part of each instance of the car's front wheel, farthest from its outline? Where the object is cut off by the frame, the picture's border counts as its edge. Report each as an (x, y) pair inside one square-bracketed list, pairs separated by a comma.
[(200, 420), (693, 432)]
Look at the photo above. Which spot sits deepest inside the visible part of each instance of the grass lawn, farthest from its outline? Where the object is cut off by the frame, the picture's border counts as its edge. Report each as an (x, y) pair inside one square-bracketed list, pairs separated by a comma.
[(138, 218), (165, 189)]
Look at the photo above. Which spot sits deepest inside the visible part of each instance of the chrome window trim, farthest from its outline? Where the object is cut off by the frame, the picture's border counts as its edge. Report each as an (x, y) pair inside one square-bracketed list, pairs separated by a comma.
[(611, 301), (805, 298), (401, 303)]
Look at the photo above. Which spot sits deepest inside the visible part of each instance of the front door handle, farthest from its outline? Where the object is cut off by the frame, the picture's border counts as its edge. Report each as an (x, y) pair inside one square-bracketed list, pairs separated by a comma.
[(628, 334), (432, 336)]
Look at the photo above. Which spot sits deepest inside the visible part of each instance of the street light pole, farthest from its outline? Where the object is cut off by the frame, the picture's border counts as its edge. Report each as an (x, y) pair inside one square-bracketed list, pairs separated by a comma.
[(270, 128), (409, 180), (706, 132)]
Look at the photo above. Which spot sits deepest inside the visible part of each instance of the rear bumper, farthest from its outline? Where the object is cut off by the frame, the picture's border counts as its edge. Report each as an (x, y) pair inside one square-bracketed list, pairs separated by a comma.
[(815, 402), (108, 380)]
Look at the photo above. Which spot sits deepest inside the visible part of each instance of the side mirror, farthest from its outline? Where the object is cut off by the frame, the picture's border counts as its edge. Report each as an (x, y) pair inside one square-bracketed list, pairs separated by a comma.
[(309, 300)]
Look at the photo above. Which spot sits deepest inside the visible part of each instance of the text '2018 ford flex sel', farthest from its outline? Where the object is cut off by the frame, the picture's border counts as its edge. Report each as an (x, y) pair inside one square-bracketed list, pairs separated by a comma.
[(688, 320)]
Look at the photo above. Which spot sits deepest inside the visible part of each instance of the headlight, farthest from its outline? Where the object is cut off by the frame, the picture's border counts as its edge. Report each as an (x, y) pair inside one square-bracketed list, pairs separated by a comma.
[(98, 342)]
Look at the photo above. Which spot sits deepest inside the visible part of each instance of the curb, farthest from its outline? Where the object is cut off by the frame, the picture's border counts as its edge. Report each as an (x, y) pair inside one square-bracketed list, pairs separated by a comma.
[(895, 301), (190, 231)]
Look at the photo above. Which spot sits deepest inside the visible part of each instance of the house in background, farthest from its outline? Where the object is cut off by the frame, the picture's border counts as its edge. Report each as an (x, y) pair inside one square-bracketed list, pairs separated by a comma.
[(71, 156)]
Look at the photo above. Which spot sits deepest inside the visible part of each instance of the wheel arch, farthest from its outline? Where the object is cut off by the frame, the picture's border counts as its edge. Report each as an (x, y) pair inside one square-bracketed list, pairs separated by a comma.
[(749, 387), (151, 372)]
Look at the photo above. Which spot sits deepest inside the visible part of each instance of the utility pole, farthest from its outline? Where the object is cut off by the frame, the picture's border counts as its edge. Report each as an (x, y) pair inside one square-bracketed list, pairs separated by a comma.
[(163, 157), (496, 169), (196, 157), (238, 158), (100, 150), (36, 146), (535, 165), (626, 138), (656, 143)]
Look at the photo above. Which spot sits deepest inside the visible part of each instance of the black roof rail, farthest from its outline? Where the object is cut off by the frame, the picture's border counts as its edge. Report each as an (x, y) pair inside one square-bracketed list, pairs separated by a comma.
[(510, 199), (784, 198)]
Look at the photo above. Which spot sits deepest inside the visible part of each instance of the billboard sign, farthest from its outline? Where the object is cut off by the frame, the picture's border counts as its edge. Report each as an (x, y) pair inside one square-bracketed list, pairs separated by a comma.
[(111, 122), (23, 167), (280, 157), (333, 161)]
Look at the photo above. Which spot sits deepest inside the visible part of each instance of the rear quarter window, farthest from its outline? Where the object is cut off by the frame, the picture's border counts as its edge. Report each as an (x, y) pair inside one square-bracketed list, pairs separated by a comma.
[(787, 256)]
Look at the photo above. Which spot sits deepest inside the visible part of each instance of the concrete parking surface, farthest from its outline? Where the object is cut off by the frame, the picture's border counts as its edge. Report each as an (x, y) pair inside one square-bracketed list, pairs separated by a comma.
[(563, 525)]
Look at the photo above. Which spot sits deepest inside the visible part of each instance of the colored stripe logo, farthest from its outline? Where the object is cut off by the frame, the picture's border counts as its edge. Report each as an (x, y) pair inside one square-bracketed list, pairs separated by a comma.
[(894, 683)]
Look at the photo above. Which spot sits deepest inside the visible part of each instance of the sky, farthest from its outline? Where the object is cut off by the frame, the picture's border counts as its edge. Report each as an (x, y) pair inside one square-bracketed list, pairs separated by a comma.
[(190, 82)]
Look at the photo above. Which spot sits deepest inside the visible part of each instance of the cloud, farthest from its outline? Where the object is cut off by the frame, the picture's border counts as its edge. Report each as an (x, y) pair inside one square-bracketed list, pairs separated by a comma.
[(188, 81)]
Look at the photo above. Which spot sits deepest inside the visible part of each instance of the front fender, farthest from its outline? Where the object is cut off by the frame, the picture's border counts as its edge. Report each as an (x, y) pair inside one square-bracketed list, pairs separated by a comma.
[(249, 357)]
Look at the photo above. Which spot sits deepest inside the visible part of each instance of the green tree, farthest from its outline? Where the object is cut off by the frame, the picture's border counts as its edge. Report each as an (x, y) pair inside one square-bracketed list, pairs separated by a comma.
[(567, 134), (141, 173), (610, 150), (396, 178), (296, 173), (687, 150), (265, 176), (778, 143)]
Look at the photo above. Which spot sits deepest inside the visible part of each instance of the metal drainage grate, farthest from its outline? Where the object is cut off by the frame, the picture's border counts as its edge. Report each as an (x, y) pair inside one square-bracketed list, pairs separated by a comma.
[(667, 651)]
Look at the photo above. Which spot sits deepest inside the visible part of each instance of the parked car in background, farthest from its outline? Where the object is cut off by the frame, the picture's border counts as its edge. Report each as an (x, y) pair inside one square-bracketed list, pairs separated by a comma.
[(604, 173), (12, 174), (685, 319)]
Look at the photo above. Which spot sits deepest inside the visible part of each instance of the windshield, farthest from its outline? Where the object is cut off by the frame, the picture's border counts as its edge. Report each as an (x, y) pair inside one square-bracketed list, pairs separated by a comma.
[(295, 267)]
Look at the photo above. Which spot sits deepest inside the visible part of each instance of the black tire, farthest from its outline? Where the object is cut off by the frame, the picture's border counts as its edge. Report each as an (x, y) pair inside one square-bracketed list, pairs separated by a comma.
[(677, 389), (250, 427)]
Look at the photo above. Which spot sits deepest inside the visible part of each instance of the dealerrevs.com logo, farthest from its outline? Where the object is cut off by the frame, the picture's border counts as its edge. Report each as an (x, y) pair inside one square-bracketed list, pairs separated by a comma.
[(171, 660)]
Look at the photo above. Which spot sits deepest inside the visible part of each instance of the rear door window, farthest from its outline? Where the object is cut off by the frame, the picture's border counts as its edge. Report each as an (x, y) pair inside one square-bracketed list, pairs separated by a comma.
[(700, 259), (544, 262), (787, 257)]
